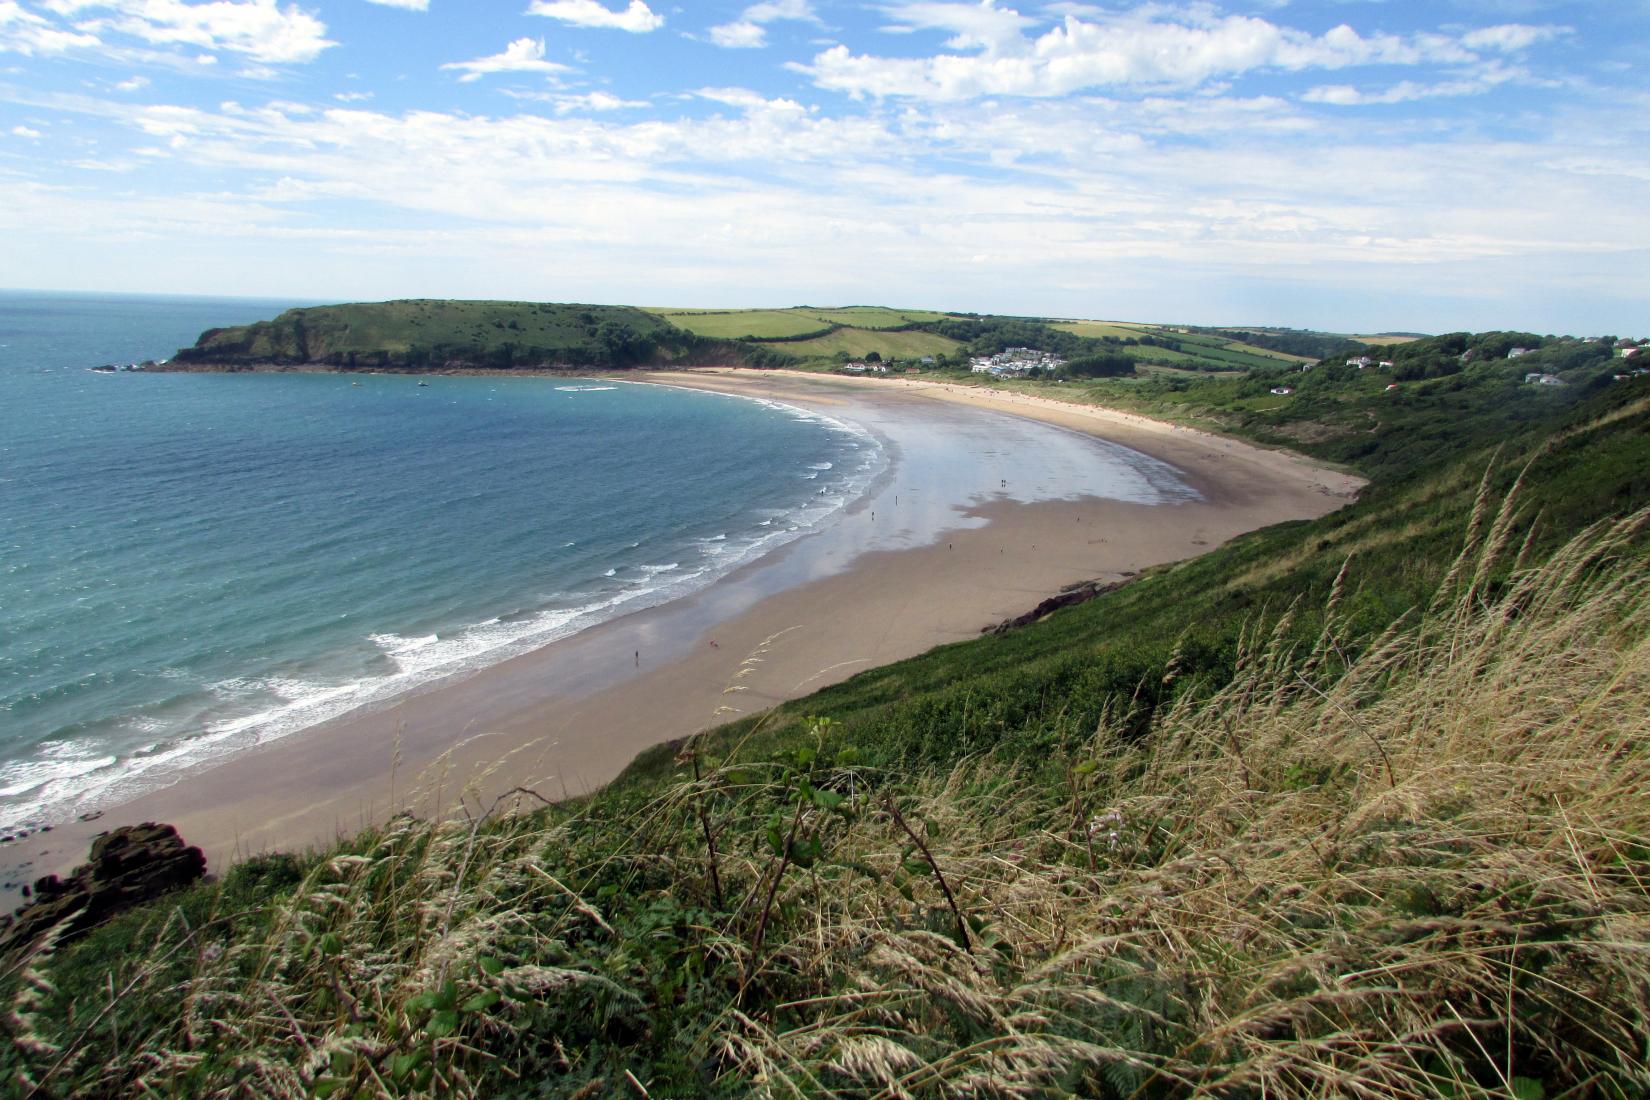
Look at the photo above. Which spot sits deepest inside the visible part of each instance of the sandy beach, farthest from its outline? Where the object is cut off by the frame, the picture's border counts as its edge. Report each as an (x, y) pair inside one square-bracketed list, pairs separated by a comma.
[(983, 512)]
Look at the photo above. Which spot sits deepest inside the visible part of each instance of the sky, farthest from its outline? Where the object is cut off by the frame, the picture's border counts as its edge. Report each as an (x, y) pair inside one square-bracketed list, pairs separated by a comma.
[(1351, 165)]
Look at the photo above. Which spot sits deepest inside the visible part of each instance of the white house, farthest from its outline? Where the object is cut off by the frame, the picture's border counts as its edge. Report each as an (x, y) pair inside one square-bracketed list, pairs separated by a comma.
[(1519, 353), (1536, 378), (1282, 391)]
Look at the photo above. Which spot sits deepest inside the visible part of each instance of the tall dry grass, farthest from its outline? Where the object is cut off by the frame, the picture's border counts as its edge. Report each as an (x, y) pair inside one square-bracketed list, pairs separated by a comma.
[(1420, 870)]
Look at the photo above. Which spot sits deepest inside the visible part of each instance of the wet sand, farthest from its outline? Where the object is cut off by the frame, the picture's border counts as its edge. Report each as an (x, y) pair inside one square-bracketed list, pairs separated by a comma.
[(987, 507)]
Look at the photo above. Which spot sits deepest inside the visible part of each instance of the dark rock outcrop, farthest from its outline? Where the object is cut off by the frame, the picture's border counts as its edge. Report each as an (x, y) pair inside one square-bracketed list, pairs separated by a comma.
[(1070, 597), (129, 866)]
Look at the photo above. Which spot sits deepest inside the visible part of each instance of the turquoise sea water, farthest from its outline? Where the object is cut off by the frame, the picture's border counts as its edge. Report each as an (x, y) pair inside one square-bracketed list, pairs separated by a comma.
[(192, 564)]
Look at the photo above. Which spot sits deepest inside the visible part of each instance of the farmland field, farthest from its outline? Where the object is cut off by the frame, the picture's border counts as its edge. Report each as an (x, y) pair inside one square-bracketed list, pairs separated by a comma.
[(733, 324), (1381, 340), (856, 342), (872, 317), (1095, 330), (1194, 346)]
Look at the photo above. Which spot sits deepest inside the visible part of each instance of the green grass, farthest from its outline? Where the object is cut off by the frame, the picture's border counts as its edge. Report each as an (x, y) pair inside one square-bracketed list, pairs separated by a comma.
[(872, 317), (754, 323), (1099, 329), (1234, 351), (860, 342), (1196, 348)]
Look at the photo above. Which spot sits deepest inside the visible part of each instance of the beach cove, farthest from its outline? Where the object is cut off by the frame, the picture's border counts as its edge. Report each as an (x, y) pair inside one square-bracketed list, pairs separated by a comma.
[(982, 513)]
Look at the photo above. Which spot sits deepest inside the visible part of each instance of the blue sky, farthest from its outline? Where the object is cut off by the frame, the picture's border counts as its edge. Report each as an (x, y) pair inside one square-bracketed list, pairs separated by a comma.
[(1356, 165)]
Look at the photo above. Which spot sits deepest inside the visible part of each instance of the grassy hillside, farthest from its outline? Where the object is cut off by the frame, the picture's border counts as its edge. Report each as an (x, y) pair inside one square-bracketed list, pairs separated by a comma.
[(874, 317), (1347, 807), (751, 324), (857, 343), (1162, 345), (1443, 395), (425, 334), (824, 338)]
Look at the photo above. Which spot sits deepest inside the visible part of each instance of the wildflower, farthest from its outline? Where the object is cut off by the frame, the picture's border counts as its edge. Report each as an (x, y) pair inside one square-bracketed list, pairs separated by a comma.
[(1108, 827)]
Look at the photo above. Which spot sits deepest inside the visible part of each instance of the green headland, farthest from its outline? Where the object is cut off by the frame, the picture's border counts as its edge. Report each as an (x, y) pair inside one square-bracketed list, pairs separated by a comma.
[(456, 335)]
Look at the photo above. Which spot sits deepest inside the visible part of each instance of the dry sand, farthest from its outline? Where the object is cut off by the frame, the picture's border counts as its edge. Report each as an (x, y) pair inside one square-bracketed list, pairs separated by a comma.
[(569, 717)]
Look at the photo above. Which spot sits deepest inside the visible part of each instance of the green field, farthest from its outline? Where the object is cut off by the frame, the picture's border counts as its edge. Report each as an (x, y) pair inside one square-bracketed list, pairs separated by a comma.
[(858, 342), (739, 324), (1096, 330), (1387, 340), (735, 324), (872, 317), (1195, 347)]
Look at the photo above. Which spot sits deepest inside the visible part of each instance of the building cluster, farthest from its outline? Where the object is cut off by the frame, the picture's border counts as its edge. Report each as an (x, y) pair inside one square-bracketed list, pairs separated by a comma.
[(895, 366), (1015, 363)]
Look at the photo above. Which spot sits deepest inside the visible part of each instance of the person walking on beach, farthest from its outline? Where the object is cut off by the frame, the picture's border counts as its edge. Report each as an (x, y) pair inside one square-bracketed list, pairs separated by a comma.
[(638, 658)]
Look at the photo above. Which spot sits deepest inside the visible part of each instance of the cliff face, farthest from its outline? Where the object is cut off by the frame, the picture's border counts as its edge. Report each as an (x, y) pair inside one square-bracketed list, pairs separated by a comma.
[(418, 335)]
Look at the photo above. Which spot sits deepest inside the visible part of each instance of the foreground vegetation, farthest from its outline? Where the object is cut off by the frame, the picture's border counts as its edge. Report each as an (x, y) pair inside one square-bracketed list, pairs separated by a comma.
[(1347, 807)]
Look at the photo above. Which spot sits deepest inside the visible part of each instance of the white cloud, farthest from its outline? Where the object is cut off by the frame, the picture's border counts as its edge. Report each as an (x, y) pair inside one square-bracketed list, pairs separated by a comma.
[(569, 103), (596, 101), (26, 132), (259, 29), (408, 5), (1151, 47), (637, 18), (1084, 201), (24, 32), (749, 31), (524, 55), (1408, 91), (1510, 37), (352, 97), (749, 101), (973, 26), (741, 34), (135, 84)]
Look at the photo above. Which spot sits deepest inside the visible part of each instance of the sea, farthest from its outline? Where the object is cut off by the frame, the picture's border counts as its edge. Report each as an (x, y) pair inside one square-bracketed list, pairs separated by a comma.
[(194, 564)]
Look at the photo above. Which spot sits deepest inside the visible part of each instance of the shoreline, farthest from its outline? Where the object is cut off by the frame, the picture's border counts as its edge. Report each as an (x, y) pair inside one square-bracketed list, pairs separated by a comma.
[(566, 718)]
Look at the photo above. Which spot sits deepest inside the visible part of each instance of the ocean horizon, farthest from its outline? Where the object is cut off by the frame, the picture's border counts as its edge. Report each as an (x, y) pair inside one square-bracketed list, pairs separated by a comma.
[(195, 564)]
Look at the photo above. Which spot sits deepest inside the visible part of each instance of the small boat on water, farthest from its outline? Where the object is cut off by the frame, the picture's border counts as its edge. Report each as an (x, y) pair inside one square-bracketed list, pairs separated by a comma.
[(423, 383)]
